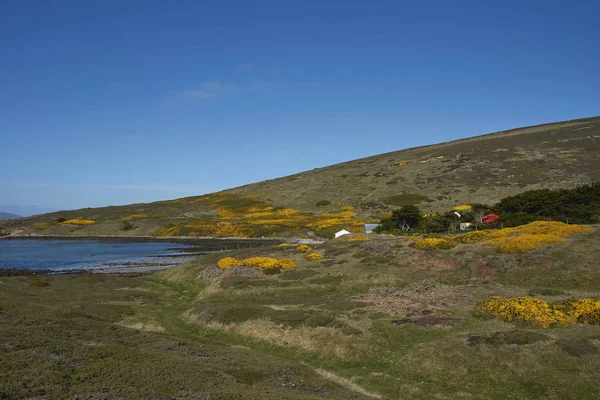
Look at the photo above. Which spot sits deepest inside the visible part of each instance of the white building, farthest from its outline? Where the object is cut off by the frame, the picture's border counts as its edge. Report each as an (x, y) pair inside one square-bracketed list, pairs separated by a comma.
[(342, 233)]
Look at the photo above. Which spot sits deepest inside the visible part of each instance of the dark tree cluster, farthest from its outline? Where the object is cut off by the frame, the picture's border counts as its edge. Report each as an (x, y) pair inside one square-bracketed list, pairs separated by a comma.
[(580, 205)]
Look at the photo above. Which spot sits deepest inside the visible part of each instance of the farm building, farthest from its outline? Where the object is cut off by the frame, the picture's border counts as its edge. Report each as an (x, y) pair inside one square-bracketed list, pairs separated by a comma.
[(369, 228), (342, 233)]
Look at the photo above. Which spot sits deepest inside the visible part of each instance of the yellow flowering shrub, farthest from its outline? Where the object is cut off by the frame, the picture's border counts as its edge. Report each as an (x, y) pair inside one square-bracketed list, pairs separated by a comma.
[(400, 163), (537, 312), (228, 263), (509, 240), (41, 227), (478, 236), (346, 208), (336, 203), (357, 239), (463, 208), (134, 216), (268, 263), (548, 228), (585, 310), (525, 309), (283, 245), (571, 159), (314, 257), (443, 243), (303, 248), (247, 216), (286, 263), (79, 222), (522, 243)]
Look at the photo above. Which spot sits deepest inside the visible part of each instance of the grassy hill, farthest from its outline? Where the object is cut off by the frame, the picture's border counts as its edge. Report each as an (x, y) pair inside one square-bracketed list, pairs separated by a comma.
[(481, 169)]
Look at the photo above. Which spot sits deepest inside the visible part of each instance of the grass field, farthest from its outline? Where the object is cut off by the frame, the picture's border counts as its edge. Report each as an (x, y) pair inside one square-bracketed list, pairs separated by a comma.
[(373, 319)]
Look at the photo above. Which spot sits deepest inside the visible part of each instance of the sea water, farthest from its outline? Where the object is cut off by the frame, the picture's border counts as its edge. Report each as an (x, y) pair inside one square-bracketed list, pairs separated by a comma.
[(95, 256)]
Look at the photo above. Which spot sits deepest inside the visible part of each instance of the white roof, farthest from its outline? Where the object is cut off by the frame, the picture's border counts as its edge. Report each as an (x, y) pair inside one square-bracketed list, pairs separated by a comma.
[(342, 232)]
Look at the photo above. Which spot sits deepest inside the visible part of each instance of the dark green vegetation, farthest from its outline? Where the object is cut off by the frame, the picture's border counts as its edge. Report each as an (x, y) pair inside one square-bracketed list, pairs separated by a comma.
[(374, 318), (580, 205), (482, 169)]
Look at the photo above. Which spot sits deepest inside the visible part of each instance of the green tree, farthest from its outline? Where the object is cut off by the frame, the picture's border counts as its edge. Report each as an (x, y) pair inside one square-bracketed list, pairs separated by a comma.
[(407, 217)]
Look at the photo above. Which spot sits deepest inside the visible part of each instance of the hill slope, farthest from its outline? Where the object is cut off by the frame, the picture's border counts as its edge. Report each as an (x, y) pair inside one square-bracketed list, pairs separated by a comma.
[(479, 169), (4, 216)]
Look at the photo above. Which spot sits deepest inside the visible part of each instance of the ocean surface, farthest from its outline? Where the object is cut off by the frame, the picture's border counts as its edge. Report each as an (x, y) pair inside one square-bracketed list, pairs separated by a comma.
[(90, 255)]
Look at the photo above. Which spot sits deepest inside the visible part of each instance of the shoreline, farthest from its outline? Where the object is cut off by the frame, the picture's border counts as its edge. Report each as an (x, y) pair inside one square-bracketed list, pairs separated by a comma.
[(191, 240)]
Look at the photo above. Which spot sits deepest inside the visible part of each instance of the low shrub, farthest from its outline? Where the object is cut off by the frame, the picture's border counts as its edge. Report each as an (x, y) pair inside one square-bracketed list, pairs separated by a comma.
[(522, 243), (322, 203), (443, 243), (41, 227), (135, 216), (314, 257), (264, 263), (525, 309), (38, 283), (303, 248), (78, 222), (346, 208), (126, 225), (584, 310), (228, 263), (357, 239), (466, 207), (60, 220)]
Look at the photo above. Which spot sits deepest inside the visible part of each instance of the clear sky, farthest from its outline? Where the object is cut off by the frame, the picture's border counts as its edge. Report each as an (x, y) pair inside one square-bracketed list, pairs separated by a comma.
[(114, 102)]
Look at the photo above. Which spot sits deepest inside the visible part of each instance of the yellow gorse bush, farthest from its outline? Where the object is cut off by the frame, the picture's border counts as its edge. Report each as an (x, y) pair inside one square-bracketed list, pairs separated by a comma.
[(346, 208), (548, 228), (247, 216), (522, 243), (79, 222), (357, 239), (465, 207), (286, 245), (256, 262), (509, 240), (585, 310), (135, 216), (525, 309), (314, 257), (478, 236), (41, 227), (228, 262), (303, 248), (400, 163), (539, 313), (268, 263), (443, 243)]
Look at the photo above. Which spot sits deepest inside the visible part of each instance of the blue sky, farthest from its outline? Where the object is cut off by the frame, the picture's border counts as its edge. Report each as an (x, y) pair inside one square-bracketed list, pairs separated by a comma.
[(110, 102)]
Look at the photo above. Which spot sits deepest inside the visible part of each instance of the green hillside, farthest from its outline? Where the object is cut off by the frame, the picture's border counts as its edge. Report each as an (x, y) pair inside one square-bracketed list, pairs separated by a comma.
[(481, 169)]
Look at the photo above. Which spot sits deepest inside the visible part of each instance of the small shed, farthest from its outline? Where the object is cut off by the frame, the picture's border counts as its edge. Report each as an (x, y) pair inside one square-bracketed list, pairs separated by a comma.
[(369, 228), (342, 233)]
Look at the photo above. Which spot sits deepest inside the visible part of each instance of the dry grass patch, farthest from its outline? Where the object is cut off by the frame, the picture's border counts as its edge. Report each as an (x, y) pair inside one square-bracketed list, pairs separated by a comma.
[(320, 340), (415, 298), (141, 326)]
